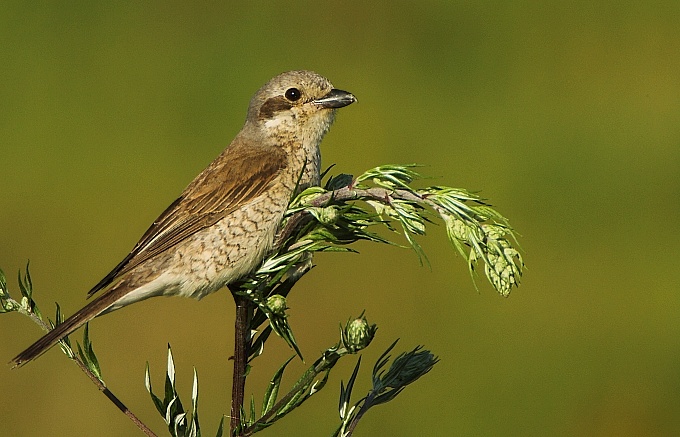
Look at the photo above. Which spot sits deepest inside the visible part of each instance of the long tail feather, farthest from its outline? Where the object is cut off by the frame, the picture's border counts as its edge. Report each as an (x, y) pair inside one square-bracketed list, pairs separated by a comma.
[(84, 315)]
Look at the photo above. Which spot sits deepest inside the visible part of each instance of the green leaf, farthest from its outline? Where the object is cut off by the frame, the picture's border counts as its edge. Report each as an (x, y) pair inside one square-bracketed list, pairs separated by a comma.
[(257, 347), (170, 393), (382, 362), (346, 392), (194, 428), (279, 324), (64, 342), (391, 176), (273, 388), (220, 428), (26, 289), (7, 304), (405, 369), (3, 285), (180, 422), (318, 384), (156, 400), (88, 356), (25, 283), (339, 181), (252, 411)]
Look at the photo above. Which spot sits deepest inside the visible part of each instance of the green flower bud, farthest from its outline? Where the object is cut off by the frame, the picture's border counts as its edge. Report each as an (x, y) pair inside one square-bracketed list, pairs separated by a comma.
[(277, 304), (358, 334)]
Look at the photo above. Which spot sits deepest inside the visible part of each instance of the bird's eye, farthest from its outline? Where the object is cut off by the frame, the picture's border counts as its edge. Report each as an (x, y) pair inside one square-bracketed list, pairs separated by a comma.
[(293, 94)]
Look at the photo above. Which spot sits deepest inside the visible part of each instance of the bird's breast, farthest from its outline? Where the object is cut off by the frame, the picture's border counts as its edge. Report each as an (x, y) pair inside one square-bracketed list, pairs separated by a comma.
[(230, 249)]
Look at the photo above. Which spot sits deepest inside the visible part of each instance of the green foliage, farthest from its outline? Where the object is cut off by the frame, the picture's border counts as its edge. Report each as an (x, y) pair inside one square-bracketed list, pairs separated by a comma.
[(180, 423), (326, 219), (355, 336), (28, 307), (86, 354), (26, 289), (65, 343), (6, 304), (475, 229), (404, 370)]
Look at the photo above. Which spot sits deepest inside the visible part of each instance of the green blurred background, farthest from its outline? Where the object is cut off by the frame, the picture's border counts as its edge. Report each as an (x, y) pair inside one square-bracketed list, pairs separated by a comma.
[(566, 115)]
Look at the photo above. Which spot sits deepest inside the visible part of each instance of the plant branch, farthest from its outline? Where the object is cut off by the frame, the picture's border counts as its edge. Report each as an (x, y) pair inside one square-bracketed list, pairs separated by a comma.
[(242, 340), (324, 219), (117, 402), (25, 310), (323, 364), (476, 230)]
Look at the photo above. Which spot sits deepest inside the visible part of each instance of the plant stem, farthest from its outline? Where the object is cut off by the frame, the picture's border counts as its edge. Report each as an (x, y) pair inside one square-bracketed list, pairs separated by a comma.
[(117, 402), (242, 339), (96, 381), (346, 194), (353, 424), (323, 364)]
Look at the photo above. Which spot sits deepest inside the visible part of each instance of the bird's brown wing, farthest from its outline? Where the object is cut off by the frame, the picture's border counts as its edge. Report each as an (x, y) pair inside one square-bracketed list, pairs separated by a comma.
[(226, 184)]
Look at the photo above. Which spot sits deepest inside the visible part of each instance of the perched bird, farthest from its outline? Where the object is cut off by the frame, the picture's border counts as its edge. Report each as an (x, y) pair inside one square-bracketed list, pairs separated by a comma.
[(224, 223)]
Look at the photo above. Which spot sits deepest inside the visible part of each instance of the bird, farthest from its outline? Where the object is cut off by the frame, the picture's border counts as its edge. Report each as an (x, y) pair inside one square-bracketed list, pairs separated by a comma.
[(225, 221)]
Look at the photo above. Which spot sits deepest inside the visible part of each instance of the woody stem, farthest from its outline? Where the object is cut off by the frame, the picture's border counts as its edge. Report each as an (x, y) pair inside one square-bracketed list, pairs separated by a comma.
[(242, 339)]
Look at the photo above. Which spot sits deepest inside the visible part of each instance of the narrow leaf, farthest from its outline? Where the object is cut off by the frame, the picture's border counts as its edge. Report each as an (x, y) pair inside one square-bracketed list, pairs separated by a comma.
[(220, 428), (156, 400), (346, 392), (273, 389)]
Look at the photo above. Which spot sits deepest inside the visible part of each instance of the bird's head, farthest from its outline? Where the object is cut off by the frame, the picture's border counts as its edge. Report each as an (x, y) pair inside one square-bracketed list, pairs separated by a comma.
[(296, 104)]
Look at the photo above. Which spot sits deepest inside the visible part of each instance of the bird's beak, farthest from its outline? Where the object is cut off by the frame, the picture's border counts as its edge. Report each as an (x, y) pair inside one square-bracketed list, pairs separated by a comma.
[(336, 99)]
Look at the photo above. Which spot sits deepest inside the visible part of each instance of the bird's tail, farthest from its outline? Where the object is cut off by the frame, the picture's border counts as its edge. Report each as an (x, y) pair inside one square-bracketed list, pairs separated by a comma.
[(84, 315)]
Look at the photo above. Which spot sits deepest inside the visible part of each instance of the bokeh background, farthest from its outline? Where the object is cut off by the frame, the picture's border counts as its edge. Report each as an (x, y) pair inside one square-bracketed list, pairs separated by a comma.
[(566, 115)]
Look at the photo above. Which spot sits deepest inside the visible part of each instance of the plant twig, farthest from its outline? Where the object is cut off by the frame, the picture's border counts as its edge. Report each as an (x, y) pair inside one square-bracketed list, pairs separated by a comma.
[(83, 367), (305, 381), (117, 402), (242, 339)]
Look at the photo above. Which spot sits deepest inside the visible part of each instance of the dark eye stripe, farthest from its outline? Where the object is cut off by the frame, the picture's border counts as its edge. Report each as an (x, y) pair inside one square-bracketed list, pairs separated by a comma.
[(274, 105)]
